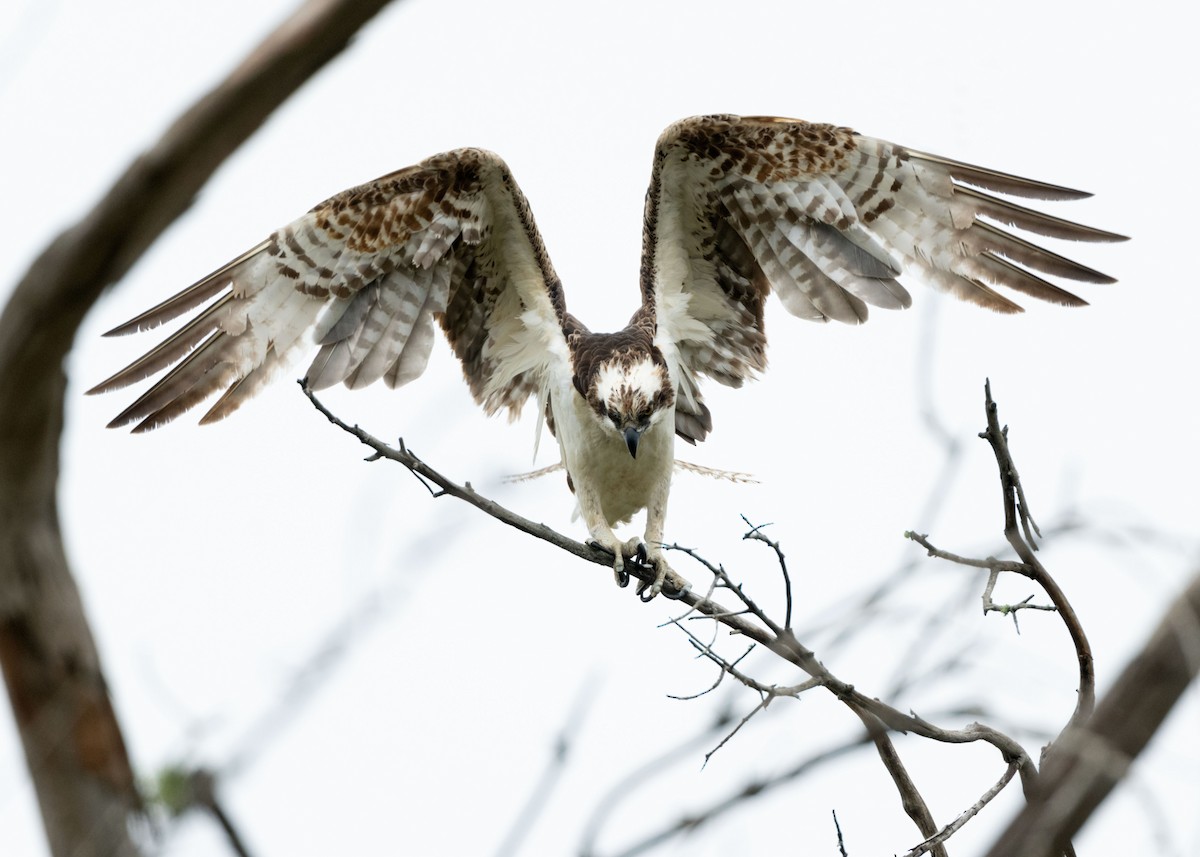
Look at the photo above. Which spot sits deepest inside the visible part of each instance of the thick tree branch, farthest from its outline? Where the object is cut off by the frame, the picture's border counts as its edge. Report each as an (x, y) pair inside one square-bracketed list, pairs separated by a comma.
[(910, 796), (1090, 758), (71, 737)]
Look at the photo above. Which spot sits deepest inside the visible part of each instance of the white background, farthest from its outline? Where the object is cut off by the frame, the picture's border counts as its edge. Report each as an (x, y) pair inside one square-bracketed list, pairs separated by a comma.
[(371, 671)]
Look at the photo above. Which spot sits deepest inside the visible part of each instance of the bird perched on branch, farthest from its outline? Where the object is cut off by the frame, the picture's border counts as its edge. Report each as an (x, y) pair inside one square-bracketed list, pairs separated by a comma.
[(736, 208)]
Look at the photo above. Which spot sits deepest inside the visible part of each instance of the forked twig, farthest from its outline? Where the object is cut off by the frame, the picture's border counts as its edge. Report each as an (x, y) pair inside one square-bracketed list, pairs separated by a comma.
[(1017, 524)]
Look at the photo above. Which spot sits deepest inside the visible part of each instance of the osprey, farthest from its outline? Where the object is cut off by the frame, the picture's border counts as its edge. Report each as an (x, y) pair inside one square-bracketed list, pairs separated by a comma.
[(737, 207)]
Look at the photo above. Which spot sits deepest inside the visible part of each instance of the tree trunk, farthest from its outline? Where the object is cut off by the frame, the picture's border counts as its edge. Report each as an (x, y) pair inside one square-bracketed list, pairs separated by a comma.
[(72, 739)]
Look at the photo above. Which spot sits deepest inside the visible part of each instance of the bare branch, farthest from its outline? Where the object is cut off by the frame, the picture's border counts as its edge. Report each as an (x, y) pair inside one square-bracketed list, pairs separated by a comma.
[(722, 580), (767, 693), (446, 487), (841, 842), (756, 534), (877, 716), (762, 704), (994, 566), (990, 563), (706, 650), (910, 797), (200, 791), (1017, 524)]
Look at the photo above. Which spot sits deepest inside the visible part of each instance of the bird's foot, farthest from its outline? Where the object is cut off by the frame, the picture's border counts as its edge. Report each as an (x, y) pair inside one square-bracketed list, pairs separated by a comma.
[(636, 551), (617, 549), (666, 580)]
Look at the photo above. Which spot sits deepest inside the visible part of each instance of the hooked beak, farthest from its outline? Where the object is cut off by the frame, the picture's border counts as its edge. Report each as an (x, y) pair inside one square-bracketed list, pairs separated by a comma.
[(631, 440)]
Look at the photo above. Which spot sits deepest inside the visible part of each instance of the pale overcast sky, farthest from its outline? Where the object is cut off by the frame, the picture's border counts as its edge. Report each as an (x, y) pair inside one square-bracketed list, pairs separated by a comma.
[(217, 563)]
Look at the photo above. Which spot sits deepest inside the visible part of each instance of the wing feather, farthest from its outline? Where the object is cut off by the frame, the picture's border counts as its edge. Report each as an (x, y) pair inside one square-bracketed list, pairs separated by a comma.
[(361, 278), (828, 219), (191, 297), (413, 358)]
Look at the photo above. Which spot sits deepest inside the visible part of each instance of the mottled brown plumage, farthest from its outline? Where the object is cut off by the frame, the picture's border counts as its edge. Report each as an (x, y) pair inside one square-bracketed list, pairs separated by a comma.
[(737, 208)]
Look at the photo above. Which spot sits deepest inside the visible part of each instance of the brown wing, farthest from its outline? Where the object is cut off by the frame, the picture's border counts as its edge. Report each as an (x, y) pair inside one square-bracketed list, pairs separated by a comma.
[(828, 219), (361, 277)]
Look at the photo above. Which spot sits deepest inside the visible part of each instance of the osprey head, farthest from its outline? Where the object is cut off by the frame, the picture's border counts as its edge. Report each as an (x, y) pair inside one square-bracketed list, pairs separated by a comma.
[(629, 393)]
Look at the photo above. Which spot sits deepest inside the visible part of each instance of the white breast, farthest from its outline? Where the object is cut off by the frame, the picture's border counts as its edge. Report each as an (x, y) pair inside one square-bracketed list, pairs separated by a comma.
[(598, 459)]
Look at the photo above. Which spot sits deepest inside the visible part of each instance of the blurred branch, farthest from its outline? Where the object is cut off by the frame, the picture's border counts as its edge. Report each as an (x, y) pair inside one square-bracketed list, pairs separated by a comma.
[(646, 772), (539, 798), (72, 740), (181, 790), (1090, 758), (734, 799)]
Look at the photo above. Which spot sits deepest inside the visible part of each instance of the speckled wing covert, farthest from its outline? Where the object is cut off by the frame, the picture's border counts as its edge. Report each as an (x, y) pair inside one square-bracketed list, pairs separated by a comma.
[(828, 219), (361, 277)]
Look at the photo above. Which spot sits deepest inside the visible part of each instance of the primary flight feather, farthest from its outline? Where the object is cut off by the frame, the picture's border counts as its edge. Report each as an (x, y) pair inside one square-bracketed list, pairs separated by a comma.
[(737, 207)]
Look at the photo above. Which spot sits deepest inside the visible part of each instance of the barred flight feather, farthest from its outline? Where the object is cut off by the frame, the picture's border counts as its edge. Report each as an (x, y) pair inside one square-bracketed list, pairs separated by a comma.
[(831, 221)]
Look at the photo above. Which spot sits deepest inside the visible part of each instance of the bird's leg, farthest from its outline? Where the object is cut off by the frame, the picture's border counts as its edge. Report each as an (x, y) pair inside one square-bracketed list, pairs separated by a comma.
[(610, 543), (651, 549), (645, 552), (602, 535)]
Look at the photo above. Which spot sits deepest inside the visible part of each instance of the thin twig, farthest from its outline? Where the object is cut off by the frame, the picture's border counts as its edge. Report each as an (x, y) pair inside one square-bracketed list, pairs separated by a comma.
[(762, 704), (724, 581), (756, 534), (990, 563), (841, 842), (446, 487), (202, 793), (967, 814), (994, 566), (767, 693)]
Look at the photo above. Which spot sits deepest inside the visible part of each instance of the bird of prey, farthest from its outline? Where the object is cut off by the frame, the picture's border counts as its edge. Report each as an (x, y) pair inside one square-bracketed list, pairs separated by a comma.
[(737, 207)]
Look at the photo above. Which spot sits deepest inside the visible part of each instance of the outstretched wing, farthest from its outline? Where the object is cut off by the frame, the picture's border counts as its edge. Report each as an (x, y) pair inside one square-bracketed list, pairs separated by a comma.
[(828, 219), (362, 277)]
